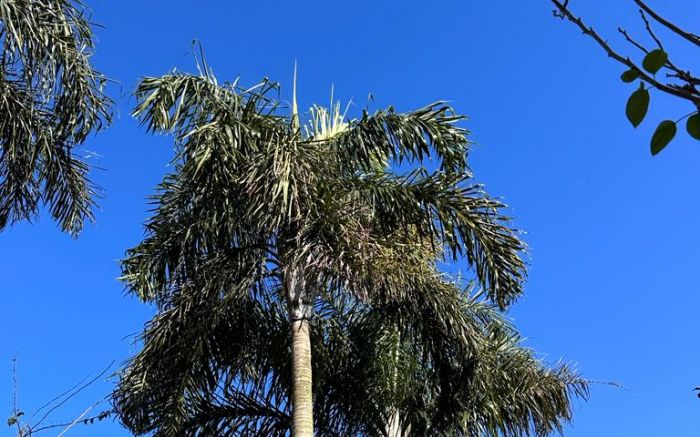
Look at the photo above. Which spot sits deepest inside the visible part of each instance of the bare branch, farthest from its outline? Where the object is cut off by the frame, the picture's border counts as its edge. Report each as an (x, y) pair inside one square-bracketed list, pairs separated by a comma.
[(631, 40), (15, 411), (75, 392), (103, 415), (79, 418), (31, 427), (647, 25), (695, 39), (677, 72)]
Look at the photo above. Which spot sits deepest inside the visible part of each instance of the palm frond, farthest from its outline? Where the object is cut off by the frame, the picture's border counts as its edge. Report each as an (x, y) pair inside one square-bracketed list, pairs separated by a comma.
[(463, 217), (490, 385), (413, 137), (366, 215), (51, 100), (469, 376)]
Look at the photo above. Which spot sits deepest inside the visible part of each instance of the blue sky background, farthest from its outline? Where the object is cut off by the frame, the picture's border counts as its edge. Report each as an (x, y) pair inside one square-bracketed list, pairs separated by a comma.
[(613, 232)]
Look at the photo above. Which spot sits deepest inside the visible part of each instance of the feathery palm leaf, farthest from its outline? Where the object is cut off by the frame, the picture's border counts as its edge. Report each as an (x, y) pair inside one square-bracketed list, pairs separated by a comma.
[(51, 100)]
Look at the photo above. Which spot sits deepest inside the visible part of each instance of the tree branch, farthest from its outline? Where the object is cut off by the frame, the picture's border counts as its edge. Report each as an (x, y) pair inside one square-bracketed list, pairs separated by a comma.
[(647, 25), (695, 39), (631, 40), (686, 92)]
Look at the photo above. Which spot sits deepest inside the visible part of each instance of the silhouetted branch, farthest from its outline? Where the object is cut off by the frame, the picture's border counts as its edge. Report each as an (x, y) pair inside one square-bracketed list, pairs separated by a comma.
[(695, 39), (687, 90), (31, 427), (683, 83)]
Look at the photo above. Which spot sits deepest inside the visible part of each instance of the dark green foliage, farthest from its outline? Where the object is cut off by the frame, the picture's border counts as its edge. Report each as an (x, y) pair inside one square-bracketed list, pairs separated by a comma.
[(228, 374), (51, 100), (630, 75), (250, 197), (654, 61)]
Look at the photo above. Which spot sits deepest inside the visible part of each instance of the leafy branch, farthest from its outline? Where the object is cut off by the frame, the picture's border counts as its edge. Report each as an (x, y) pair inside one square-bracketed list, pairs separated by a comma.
[(679, 82)]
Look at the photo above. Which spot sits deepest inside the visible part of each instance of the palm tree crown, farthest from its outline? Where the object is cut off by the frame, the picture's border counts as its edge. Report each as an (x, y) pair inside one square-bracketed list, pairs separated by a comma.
[(250, 186)]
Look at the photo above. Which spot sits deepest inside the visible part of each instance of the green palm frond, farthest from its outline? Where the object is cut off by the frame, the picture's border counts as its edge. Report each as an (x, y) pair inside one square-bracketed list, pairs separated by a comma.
[(241, 170), (446, 210), (51, 100), (444, 384), (413, 137), (198, 345)]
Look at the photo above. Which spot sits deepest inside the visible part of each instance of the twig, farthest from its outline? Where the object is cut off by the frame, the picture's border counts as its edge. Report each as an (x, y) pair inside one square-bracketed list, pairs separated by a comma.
[(56, 398), (15, 396), (77, 419), (695, 39), (100, 416), (632, 41), (75, 392), (649, 30)]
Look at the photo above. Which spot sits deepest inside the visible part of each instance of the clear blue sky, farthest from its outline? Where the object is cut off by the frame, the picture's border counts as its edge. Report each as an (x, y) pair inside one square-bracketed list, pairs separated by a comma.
[(613, 232)]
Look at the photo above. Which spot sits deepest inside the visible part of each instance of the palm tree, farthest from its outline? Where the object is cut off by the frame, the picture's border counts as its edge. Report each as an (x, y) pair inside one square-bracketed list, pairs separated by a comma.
[(51, 100), (258, 206)]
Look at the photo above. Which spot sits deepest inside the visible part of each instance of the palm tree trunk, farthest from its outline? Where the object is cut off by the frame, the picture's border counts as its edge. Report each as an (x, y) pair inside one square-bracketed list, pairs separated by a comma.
[(302, 401), (300, 308), (394, 427)]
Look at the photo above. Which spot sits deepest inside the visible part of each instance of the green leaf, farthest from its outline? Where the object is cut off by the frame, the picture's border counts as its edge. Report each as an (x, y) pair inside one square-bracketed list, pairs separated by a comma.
[(630, 75), (637, 106), (11, 420), (693, 125), (663, 135), (654, 60)]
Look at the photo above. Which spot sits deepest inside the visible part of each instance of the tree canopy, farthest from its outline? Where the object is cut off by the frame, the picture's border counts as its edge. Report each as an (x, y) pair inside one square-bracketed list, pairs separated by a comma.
[(340, 224)]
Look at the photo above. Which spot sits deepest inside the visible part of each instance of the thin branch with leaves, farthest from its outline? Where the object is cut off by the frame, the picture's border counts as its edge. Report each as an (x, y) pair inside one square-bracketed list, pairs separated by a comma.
[(679, 82)]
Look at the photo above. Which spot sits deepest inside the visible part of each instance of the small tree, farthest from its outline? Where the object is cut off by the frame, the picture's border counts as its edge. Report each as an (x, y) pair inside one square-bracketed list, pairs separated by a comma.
[(679, 81), (260, 208), (51, 100)]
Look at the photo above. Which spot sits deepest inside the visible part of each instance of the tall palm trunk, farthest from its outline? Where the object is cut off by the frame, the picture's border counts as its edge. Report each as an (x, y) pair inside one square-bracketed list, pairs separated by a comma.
[(394, 427), (300, 308), (302, 401)]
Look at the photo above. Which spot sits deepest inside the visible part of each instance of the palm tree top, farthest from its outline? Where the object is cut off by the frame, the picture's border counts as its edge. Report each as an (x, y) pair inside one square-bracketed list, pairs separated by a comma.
[(325, 193)]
